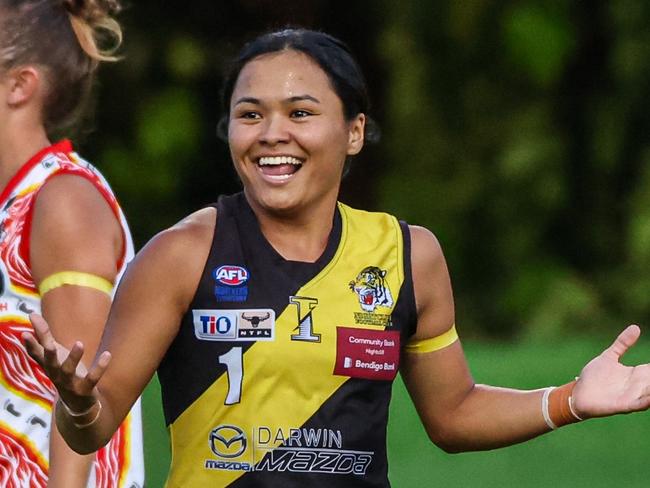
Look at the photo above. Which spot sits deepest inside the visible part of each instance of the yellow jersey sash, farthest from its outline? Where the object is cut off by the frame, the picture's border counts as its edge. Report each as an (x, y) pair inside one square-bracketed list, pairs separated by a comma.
[(334, 328)]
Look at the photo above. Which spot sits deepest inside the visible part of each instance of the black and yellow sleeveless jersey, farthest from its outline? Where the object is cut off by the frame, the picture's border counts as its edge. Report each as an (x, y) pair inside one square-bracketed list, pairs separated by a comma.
[(281, 372)]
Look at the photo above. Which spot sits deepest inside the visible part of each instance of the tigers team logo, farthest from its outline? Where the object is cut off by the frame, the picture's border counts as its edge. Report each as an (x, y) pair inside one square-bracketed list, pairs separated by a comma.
[(371, 288)]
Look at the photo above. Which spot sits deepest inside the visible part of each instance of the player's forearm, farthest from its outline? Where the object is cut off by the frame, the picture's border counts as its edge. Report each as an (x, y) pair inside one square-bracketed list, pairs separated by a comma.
[(488, 418), (87, 433), (67, 468)]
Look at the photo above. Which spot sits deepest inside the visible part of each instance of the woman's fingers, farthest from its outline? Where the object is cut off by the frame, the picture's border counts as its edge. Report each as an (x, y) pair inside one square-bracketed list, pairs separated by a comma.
[(45, 339), (623, 342), (69, 365), (34, 349), (41, 330), (98, 369), (67, 371)]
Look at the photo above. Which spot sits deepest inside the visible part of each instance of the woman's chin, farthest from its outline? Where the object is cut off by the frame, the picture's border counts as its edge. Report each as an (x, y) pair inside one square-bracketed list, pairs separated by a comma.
[(281, 203)]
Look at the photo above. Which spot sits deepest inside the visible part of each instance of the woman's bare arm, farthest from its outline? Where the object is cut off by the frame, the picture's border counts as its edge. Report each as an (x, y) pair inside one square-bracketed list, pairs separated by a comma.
[(152, 297)]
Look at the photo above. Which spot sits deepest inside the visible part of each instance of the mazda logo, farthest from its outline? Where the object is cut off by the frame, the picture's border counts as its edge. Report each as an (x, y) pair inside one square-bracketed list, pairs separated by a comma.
[(227, 441)]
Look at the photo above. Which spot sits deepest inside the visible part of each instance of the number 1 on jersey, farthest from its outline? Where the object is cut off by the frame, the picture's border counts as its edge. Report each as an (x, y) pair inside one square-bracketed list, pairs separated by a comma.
[(235, 371)]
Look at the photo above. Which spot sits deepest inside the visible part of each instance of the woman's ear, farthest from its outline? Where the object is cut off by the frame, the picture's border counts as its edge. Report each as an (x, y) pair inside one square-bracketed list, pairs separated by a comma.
[(355, 134), (23, 84)]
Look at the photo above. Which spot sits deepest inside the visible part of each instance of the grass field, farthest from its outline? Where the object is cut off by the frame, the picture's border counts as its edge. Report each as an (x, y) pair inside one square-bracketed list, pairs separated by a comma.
[(603, 453)]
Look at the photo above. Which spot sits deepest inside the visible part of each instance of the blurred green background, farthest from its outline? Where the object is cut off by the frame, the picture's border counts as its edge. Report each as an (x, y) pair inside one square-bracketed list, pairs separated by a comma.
[(518, 131)]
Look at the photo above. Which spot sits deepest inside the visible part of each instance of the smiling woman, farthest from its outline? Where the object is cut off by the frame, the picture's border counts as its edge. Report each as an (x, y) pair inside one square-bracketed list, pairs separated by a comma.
[(289, 137), (289, 313)]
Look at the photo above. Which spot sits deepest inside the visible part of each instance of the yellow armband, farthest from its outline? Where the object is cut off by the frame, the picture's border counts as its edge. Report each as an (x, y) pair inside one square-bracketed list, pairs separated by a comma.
[(76, 278), (433, 343)]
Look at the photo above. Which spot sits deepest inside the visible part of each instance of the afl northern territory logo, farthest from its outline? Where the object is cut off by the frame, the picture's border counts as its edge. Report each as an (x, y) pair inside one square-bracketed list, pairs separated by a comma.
[(228, 441), (231, 275), (230, 283)]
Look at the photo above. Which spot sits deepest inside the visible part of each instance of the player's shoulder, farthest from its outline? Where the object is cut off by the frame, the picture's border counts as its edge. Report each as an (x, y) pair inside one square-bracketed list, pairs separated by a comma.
[(188, 237), (426, 250), (68, 192), (197, 225), (180, 251), (69, 208), (183, 245)]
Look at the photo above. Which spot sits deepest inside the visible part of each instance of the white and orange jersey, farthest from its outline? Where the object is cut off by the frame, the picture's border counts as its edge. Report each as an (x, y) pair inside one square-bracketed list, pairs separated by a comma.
[(26, 394)]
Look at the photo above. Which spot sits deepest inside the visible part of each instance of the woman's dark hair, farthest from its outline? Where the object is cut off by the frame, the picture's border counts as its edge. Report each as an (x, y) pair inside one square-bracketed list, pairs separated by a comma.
[(68, 39), (331, 54)]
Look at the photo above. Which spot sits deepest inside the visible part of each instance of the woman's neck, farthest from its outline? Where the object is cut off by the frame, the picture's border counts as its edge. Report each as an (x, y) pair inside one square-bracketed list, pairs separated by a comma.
[(16, 148), (301, 237)]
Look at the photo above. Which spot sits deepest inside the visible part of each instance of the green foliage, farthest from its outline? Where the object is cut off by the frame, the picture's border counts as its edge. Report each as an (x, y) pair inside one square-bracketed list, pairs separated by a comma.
[(185, 57), (516, 131), (524, 131), (539, 41), (148, 173), (160, 134)]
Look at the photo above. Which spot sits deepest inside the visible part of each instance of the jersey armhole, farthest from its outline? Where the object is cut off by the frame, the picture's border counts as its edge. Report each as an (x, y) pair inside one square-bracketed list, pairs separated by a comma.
[(407, 292)]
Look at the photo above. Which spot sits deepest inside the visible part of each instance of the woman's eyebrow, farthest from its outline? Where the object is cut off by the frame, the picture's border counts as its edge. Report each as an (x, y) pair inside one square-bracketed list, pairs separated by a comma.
[(252, 100), (294, 99), (300, 98)]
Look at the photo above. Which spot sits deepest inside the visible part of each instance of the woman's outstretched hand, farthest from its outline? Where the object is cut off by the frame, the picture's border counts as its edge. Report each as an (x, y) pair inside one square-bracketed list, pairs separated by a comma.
[(607, 387), (75, 384)]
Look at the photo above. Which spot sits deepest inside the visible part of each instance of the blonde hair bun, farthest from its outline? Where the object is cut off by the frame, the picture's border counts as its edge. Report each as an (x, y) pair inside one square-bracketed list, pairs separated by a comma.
[(99, 35)]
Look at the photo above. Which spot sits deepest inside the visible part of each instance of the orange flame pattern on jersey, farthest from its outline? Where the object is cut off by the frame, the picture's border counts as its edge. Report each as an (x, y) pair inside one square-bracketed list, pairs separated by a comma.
[(19, 370), (19, 465), (21, 462), (10, 240)]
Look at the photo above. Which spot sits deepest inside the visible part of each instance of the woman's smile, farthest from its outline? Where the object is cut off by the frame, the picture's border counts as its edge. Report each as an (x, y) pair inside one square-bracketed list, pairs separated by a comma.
[(288, 134), (279, 169)]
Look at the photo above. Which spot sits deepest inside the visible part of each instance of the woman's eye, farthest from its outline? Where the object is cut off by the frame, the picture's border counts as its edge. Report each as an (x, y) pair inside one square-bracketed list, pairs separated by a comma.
[(299, 114), (250, 115)]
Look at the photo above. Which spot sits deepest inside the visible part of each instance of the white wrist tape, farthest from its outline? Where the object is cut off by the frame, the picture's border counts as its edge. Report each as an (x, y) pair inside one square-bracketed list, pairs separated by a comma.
[(547, 417), (573, 411)]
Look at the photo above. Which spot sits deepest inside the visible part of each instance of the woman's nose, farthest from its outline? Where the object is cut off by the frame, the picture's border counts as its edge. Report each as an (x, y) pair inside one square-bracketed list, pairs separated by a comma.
[(275, 130)]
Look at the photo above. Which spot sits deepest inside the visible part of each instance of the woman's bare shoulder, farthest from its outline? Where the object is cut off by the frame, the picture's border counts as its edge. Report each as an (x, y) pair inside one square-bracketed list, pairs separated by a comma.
[(189, 236), (180, 251)]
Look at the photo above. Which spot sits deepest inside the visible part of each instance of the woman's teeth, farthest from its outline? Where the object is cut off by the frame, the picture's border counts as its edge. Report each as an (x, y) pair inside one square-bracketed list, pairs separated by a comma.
[(277, 160)]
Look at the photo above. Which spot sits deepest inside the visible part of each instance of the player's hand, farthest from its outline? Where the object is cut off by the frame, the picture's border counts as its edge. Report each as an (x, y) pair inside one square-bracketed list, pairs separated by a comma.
[(75, 384), (607, 387)]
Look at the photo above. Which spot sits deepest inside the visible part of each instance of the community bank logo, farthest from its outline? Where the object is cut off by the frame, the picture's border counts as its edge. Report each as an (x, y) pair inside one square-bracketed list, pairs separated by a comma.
[(228, 441), (231, 283)]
